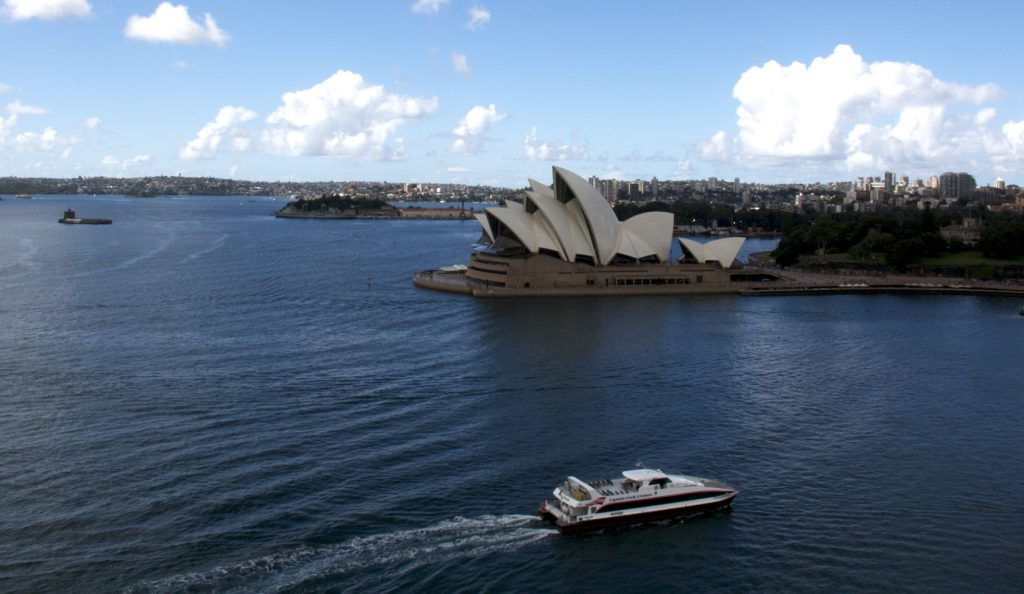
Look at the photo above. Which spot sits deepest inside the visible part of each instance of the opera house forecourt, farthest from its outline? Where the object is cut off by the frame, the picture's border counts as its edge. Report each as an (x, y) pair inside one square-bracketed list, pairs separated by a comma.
[(565, 240)]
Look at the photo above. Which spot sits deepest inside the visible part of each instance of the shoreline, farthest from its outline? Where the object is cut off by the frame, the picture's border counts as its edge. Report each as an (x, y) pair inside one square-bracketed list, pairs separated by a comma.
[(791, 284)]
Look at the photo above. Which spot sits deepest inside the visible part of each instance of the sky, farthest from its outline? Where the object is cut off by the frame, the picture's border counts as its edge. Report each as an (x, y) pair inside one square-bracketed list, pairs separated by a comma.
[(495, 91)]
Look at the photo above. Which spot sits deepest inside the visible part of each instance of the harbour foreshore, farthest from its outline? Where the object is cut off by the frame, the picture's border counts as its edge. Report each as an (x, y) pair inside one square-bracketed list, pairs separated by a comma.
[(796, 283)]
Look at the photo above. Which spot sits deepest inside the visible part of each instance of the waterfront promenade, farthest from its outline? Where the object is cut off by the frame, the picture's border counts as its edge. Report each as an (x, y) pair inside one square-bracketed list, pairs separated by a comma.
[(790, 283)]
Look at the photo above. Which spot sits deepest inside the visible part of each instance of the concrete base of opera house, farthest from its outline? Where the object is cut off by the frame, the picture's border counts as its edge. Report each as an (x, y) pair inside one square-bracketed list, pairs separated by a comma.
[(791, 284)]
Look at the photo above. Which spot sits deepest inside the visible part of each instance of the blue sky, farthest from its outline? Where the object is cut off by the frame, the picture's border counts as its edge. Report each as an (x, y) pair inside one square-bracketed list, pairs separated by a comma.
[(604, 88)]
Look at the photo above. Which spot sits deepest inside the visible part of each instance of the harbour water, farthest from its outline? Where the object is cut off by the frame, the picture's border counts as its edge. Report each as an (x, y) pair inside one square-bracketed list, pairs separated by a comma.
[(202, 397)]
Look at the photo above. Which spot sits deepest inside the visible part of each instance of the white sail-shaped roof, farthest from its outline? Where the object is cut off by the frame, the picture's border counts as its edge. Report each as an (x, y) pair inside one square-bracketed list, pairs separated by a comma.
[(631, 246), (557, 216), (574, 221), (583, 245), (482, 218), (540, 188), (599, 217), (518, 223), (723, 250), (653, 228)]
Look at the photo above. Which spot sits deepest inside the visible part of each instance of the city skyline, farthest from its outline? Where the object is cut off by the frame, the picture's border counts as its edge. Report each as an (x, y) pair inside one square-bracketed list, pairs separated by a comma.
[(489, 93)]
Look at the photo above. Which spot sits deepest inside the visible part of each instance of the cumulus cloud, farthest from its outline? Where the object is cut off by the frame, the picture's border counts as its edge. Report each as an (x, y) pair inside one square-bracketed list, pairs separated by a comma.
[(227, 125), (342, 116), (171, 23), (985, 116), (856, 114), (636, 155), (40, 141), (471, 129), (4, 88), (553, 150), (428, 6), (45, 10), (124, 164), (92, 123), (461, 64), (17, 108), (715, 148), (478, 17)]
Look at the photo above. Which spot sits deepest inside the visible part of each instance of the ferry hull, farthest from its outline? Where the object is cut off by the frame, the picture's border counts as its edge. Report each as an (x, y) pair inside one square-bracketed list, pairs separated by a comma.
[(682, 512)]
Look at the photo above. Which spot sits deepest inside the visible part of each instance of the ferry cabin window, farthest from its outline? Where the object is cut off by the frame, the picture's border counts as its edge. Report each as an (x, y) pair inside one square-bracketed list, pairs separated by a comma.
[(700, 278), (657, 500)]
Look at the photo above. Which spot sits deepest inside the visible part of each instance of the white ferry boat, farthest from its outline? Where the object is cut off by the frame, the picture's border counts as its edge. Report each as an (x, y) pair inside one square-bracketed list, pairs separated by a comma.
[(641, 495)]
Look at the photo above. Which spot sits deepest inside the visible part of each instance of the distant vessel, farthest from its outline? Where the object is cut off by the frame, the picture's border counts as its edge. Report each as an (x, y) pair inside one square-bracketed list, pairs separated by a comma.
[(24, 196), (641, 495), (69, 218)]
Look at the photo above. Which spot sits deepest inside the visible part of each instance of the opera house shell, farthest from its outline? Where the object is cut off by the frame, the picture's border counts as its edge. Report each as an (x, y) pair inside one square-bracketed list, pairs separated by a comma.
[(565, 239)]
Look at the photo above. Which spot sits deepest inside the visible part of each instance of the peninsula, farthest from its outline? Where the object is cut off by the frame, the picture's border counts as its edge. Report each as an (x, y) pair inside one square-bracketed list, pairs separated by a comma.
[(339, 206)]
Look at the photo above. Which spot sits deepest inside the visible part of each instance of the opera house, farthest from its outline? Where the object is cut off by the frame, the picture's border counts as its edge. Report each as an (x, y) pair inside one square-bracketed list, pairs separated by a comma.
[(565, 239)]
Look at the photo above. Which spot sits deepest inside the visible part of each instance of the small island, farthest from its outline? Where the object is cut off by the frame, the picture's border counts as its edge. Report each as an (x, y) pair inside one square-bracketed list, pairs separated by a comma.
[(340, 206)]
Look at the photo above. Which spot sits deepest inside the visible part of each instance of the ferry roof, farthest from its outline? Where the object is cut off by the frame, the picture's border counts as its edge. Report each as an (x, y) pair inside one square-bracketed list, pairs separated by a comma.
[(644, 474)]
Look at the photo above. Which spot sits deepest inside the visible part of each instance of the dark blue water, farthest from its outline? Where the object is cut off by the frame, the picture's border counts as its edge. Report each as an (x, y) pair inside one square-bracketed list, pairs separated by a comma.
[(202, 397)]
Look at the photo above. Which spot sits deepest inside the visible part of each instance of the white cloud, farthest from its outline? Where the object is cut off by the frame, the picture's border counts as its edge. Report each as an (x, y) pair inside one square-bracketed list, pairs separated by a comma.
[(41, 141), (469, 133), (844, 110), (228, 124), (715, 148), (342, 116), (233, 171), (66, 153), (46, 10), (461, 64), (4, 88), (16, 108), (171, 23), (478, 17), (554, 150), (112, 161), (985, 116), (456, 169), (428, 6), (92, 123)]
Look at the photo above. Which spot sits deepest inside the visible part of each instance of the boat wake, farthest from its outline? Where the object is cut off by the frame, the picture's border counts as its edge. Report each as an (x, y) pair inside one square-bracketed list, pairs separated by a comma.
[(216, 245), (368, 559)]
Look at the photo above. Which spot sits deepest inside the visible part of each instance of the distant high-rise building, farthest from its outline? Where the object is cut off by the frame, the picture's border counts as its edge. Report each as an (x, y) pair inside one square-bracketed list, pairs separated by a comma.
[(654, 186), (712, 183), (736, 186), (888, 180), (956, 185), (905, 180), (933, 182), (594, 181), (965, 185), (999, 184), (947, 185), (610, 190)]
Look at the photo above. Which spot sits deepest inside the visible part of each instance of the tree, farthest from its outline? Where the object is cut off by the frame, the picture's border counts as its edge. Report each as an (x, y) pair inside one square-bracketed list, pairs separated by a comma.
[(1003, 240)]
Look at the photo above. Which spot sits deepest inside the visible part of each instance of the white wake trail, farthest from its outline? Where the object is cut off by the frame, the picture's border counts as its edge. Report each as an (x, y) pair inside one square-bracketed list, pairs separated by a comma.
[(393, 554)]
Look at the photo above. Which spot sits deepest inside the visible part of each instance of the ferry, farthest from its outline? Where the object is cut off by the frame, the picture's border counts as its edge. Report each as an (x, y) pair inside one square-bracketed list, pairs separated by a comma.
[(23, 196), (641, 495)]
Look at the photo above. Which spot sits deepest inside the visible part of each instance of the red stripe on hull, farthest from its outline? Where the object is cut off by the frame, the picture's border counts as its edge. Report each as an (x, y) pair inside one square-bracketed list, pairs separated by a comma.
[(591, 526)]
